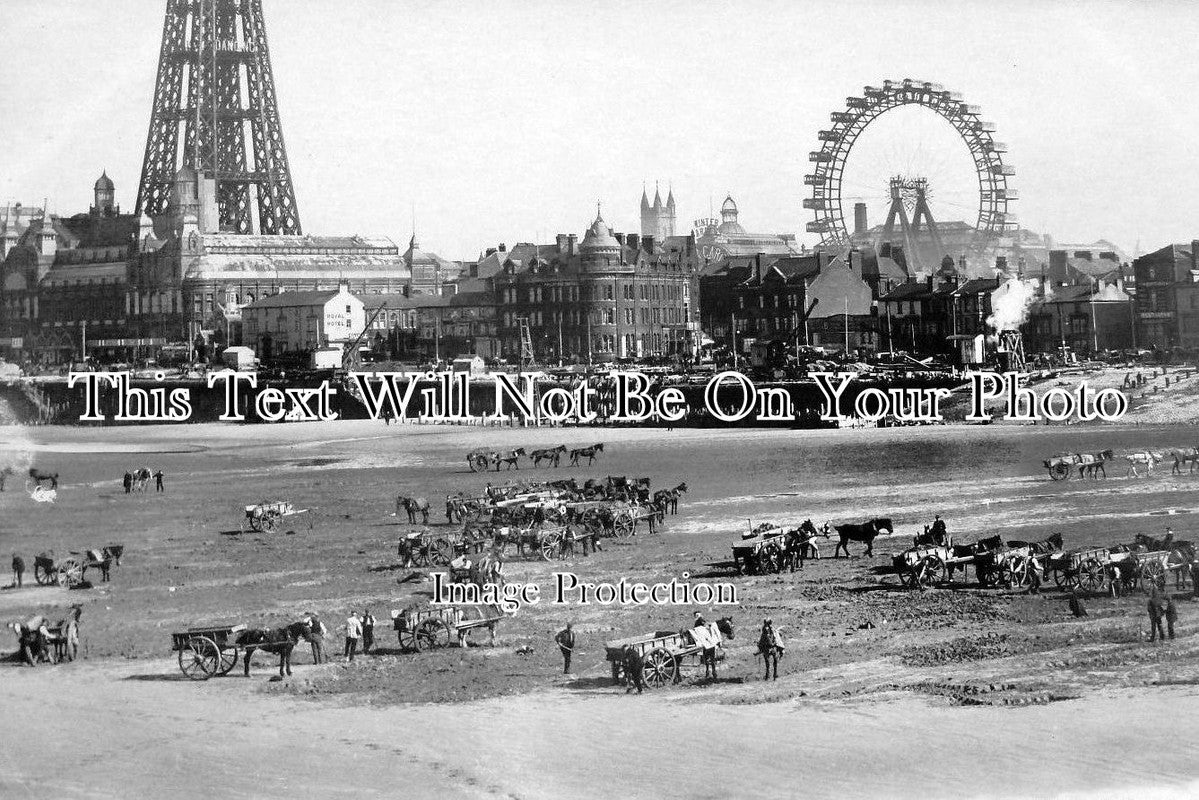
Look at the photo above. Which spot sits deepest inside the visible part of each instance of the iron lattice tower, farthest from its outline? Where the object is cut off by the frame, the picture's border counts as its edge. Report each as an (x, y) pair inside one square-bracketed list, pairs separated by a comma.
[(215, 83)]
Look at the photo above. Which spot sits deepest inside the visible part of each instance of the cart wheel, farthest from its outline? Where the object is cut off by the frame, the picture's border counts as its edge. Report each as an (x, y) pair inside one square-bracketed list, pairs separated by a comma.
[(907, 576), (1092, 577), (228, 660), (200, 658), (660, 668), (70, 573), (930, 572), (45, 574), (479, 462), (551, 546), (1059, 472), (1153, 573), (441, 552), (432, 633), (271, 520), (256, 521), (1061, 578), (407, 639), (623, 525)]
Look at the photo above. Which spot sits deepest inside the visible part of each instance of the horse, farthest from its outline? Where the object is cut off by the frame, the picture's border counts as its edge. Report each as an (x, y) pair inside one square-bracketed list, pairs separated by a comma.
[(798, 544), (589, 452), (512, 459), (141, 479), (1050, 544), (280, 641), (1184, 456), (65, 636), (38, 477), (550, 454), (1089, 464), (864, 532), (1147, 458), (674, 497), (413, 505), (1182, 554), (982, 552)]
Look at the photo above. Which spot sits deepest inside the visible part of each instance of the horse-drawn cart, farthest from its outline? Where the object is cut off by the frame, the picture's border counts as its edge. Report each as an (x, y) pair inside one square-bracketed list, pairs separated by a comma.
[(72, 571), (268, 516), (205, 652), (436, 549), (604, 517), (761, 550), (420, 629), (662, 653)]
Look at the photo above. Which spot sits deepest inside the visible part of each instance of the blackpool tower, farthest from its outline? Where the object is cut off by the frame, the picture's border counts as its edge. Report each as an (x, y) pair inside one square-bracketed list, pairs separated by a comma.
[(215, 111)]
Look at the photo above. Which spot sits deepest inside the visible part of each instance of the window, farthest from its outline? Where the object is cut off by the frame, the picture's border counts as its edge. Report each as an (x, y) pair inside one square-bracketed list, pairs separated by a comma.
[(608, 293), (609, 316), (629, 319)]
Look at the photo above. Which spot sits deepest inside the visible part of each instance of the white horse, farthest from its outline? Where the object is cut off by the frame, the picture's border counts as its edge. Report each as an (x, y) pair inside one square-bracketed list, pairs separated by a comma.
[(1146, 458)]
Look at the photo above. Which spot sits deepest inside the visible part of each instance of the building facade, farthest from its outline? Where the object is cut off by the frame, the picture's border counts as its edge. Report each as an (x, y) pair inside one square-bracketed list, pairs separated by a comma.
[(610, 297), (1159, 276), (301, 322)]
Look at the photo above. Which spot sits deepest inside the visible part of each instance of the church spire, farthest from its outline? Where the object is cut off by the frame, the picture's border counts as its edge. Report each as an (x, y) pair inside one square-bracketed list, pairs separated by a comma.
[(644, 200)]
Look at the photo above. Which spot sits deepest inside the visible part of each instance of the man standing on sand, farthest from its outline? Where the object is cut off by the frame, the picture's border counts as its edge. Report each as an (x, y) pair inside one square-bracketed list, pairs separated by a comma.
[(158, 476), (128, 482), (18, 570), (449, 510), (317, 639), (634, 669), (353, 634), (1171, 615), (566, 643), (1156, 607), (368, 631)]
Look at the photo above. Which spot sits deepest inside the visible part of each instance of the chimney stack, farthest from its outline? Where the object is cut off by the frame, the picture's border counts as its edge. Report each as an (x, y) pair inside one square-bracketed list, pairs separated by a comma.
[(859, 218), (647, 244), (634, 240), (1195, 254), (563, 241), (572, 244)]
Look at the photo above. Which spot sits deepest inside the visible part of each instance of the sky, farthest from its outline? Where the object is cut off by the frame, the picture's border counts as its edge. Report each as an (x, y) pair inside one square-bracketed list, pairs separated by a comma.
[(502, 121)]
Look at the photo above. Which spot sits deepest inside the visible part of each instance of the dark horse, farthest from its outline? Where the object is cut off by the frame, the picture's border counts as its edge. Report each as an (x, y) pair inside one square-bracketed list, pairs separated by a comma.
[(414, 506), (1182, 554), (550, 454), (589, 452), (864, 532), (798, 544), (39, 477), (280, 641), (512, 459)]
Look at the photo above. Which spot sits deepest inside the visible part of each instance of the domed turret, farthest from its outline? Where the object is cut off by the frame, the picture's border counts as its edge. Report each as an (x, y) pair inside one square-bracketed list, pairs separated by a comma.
[(728, 216), (105, 196), (599, 236)]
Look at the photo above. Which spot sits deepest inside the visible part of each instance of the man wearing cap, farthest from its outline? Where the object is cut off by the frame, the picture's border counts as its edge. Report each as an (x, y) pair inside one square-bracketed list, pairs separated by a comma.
[(566, 643)]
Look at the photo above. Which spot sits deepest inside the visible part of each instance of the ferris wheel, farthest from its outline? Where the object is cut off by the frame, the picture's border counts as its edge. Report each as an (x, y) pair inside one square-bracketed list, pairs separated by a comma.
[(827, 179)]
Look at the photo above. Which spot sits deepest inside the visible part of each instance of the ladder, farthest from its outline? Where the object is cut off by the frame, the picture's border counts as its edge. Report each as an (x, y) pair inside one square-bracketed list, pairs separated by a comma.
[(526, 342)]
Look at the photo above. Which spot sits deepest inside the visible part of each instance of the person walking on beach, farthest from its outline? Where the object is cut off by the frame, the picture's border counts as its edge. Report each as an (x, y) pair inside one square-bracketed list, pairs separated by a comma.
[(1157, 608), (353, 634), (18, 570), (368, 631), (566, 643), (158, 476), (128, 482)]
